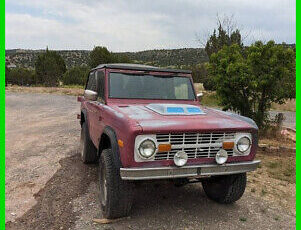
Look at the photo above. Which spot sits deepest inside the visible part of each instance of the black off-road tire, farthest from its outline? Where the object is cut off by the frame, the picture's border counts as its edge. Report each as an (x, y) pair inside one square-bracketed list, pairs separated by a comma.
[(225, 189), (116, 195), (88, 151)]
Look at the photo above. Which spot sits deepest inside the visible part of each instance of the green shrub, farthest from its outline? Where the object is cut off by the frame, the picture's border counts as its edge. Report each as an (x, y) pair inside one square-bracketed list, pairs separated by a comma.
[(250, 81), (50, 67), (101, 55), (76, 76), (20, 76)]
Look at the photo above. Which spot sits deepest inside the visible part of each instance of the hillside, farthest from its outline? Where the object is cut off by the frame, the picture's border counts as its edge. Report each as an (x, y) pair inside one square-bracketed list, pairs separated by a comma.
[(164, 57), (26, 58), (172, 57)]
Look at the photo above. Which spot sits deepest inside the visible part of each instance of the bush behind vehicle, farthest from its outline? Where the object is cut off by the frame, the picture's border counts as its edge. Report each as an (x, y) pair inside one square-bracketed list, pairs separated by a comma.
[(75, 76), (20, 76)]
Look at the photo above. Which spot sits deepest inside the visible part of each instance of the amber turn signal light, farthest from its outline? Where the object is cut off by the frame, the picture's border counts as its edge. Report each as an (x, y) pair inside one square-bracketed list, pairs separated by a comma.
[(120, 143), (228, 145), (164, 147)]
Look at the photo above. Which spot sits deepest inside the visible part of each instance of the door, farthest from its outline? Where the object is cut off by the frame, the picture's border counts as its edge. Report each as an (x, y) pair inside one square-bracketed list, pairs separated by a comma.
[(91, 107), (99, 106)]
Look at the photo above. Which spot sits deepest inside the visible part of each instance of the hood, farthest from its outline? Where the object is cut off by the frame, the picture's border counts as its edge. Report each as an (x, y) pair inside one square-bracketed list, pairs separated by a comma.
[(183, 118)]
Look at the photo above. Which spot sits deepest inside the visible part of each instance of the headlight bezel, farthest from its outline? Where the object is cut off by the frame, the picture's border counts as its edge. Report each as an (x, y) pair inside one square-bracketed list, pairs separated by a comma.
[(238, 138), (138, 141)]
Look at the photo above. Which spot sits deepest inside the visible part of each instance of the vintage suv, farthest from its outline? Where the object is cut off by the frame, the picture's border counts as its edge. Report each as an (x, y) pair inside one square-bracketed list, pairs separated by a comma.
[(144, 123)]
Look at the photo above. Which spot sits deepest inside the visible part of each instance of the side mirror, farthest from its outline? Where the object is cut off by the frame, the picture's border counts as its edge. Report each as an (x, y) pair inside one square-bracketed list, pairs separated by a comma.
[(90, 95), (200, 95)]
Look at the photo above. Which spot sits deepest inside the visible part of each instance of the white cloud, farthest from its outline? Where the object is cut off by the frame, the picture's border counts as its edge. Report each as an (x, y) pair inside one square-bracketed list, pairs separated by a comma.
[(138, 25)]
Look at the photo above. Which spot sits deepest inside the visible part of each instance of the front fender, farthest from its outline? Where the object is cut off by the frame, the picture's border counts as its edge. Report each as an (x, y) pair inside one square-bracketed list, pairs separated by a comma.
[(110, 133)]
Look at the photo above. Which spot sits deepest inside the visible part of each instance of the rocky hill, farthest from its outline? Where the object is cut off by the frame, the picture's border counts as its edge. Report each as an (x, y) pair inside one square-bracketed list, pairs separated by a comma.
[(171, 57), (27, 58), (165, 57)]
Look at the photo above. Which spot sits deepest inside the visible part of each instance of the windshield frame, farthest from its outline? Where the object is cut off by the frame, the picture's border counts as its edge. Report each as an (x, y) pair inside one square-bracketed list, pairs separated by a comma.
[(152, 73)]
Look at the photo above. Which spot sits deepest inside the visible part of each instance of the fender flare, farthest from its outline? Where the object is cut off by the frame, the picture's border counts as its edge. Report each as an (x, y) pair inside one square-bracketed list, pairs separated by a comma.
[(110, 132), (84, 119)]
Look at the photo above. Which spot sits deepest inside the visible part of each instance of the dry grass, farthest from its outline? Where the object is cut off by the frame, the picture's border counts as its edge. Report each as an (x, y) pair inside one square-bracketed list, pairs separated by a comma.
[(289, 105), (277, 137), (199, 87), (75, 91), (275, 179), (281, 168), (283, 142), (210, 99)]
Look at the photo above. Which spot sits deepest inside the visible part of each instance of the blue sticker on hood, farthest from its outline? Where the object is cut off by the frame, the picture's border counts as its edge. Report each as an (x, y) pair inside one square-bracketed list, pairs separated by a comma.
[(174, 110), (193, 110)]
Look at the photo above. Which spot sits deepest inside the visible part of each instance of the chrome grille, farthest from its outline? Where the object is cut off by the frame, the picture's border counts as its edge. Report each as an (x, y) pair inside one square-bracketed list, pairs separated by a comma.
[(196, 145)]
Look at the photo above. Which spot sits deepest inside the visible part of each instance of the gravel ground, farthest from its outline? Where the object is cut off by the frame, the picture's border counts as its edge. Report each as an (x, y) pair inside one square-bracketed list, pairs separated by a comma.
[(47, 187)]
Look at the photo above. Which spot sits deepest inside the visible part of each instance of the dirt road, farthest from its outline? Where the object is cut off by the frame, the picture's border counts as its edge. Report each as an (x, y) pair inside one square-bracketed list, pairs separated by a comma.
[(47, 187)]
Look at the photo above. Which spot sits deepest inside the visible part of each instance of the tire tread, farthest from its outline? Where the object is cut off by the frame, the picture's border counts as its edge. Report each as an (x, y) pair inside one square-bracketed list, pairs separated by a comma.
[(90, 152), (234, 187), (120, 192)]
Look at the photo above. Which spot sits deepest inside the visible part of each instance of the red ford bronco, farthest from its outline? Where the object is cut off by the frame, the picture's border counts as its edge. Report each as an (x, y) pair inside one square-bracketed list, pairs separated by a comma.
[(145, 123)]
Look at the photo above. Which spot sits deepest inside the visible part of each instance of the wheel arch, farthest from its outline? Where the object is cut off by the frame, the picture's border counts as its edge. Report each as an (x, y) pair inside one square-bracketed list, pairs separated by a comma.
[(83, 116), (108, 139)]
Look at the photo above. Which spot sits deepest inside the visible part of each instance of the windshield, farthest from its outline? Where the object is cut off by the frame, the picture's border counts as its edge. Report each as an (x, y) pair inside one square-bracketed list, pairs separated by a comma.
[(133, 86)]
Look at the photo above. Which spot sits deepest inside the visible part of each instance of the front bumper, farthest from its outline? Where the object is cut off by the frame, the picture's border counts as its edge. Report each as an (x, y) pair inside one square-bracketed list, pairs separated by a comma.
[(187, 171)]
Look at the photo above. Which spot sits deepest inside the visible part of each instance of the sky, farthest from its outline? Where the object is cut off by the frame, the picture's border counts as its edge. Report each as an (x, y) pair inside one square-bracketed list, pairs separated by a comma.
[(134, 25)]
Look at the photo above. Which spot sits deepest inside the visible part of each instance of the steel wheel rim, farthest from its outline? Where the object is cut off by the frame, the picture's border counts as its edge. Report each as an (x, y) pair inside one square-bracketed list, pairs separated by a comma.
[(82, 146), (103, 187)]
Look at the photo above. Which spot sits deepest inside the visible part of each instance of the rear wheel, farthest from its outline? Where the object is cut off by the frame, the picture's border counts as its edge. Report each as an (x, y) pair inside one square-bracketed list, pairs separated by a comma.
[(116, 195), (88, 151), (225, 189)]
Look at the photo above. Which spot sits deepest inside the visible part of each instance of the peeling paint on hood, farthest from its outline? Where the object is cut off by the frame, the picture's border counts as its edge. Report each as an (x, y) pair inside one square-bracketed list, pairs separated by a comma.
[(136, 112)]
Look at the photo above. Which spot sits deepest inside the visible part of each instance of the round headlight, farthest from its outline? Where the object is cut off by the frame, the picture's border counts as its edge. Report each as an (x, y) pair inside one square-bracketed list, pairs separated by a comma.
[(147, 148), (243, 144)]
